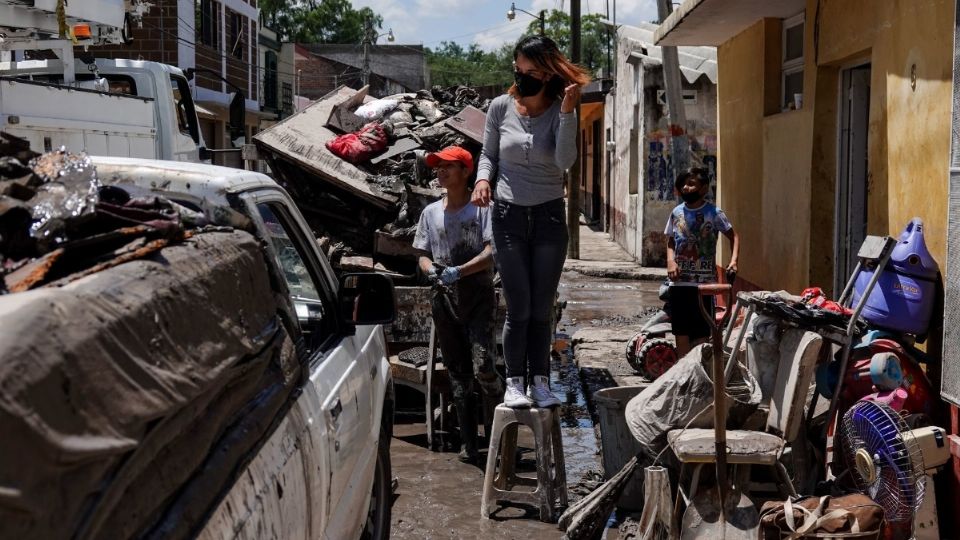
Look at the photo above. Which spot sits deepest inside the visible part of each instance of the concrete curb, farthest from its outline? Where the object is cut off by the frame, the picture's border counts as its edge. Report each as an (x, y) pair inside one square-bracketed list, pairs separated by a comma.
[(613, 271)]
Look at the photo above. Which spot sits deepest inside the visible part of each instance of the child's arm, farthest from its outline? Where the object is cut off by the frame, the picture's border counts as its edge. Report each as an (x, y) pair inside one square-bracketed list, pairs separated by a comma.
[(426, 263), (483, 261), (734, 238), (673, 271)]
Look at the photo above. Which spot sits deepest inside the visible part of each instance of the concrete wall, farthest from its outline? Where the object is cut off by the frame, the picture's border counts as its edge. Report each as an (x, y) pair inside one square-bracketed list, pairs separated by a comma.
[(642, 193), (657, 170), (778, 170)]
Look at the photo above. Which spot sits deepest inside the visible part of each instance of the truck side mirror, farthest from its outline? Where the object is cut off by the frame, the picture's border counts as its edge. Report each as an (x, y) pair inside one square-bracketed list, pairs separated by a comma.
[(205, 154), (367, 299)]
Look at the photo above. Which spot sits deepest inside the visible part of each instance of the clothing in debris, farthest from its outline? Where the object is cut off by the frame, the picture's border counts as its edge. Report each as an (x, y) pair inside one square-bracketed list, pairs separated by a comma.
[(525, 156)]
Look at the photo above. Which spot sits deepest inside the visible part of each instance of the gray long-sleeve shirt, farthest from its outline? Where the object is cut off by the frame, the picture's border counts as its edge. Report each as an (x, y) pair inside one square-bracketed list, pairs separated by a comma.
[(528, 155)]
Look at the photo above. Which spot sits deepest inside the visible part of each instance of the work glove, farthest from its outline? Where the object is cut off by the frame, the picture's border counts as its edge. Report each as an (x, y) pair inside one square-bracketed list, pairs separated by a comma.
[(450, 275)]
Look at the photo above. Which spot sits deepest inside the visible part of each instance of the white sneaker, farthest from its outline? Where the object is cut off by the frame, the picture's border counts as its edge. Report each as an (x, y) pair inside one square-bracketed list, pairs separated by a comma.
[(539, 392), (514, 396)]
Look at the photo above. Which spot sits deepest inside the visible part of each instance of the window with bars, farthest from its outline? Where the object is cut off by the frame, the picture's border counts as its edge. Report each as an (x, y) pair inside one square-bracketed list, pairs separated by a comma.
[(286, 98)]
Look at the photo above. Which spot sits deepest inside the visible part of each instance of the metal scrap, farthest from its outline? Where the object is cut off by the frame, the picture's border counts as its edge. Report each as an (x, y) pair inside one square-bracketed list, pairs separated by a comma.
[(58, 222)]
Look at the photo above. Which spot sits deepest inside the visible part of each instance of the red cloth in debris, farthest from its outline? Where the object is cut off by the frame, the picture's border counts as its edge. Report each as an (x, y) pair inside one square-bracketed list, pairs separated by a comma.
[(360, 146), (813, 296)]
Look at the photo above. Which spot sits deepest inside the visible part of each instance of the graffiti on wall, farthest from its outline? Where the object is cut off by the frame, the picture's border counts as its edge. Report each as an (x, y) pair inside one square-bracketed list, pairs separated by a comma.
[(659, 170)]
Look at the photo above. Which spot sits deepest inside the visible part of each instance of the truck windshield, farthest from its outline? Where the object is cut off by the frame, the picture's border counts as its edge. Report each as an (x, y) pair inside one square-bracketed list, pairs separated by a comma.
[(183, 105)]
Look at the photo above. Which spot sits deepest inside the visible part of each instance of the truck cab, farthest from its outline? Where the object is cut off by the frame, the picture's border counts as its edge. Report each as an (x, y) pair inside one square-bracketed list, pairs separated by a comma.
[(324, 471), (176, 130)]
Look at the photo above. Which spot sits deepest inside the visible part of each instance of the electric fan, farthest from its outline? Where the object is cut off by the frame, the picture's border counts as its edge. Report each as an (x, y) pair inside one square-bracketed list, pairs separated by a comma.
[(884, 459)]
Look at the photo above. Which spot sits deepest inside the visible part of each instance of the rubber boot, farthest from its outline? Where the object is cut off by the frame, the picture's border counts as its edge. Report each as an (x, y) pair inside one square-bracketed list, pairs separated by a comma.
[(467, 418)]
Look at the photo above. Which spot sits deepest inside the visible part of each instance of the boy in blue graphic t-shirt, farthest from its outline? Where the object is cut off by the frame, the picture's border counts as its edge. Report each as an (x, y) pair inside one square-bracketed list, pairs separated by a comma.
[(692, 231)]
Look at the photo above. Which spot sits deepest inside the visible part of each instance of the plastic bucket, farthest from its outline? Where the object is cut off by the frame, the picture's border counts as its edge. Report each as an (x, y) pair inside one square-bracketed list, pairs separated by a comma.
[(617, 444)]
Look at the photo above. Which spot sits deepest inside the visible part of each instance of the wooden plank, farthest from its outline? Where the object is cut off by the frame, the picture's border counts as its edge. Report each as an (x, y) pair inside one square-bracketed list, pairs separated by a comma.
[(393, 246), (470, 121), (396, 148), (300, 140)]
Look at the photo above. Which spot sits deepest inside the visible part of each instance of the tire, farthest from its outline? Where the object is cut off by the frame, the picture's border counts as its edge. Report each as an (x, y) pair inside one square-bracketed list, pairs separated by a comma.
[(377, 526), (656, 357)]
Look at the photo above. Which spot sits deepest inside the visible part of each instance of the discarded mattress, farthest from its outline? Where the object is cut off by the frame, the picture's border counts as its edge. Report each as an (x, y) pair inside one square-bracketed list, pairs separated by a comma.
[(117, 390), (683, 398)]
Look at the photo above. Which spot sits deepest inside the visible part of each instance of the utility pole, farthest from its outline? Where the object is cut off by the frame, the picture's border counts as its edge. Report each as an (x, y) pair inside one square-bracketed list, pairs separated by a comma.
[(367, 32), (573, 188), (680, 144)]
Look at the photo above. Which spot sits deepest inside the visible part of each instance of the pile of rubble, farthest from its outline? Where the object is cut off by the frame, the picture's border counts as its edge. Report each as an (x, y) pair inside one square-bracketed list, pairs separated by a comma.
[(355, 166), (59, 222)]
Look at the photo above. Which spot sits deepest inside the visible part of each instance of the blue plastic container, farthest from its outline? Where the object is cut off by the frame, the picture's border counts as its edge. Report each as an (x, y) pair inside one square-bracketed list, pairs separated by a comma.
[(904, 296)]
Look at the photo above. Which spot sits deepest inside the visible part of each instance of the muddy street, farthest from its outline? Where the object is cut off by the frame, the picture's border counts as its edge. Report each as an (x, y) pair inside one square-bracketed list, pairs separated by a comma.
[(439, 497)]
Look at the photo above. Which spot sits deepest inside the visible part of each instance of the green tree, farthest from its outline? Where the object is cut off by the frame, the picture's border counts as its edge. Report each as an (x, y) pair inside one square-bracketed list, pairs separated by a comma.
[(450, 64), (593, 36), (318, 21)]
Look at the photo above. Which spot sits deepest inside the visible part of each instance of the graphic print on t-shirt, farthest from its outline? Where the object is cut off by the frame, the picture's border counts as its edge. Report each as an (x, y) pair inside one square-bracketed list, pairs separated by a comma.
[(694, 233)]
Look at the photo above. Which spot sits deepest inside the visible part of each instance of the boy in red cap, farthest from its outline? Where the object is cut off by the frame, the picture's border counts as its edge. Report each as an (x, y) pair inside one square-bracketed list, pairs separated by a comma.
[(453, 241)]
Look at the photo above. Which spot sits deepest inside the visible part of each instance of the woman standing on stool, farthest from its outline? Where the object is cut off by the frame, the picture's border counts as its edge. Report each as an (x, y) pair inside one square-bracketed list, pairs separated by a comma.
[(529, 141)]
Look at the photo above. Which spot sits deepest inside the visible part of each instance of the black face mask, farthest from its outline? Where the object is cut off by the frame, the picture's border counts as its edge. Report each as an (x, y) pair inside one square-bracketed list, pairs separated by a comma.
[(690, 197), (527, 85)]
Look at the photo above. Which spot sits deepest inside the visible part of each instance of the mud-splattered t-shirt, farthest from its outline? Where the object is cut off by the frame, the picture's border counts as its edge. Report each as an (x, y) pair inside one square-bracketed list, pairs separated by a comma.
[(694, 233), (453, 238)]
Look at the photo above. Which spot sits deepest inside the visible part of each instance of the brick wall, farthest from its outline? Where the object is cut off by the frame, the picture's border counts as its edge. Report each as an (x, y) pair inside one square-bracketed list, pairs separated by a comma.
[(318, 75), (155, 40)]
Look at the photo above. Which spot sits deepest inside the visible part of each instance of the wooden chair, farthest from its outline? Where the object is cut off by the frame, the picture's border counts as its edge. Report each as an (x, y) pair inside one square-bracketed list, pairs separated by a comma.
[(799, 350)]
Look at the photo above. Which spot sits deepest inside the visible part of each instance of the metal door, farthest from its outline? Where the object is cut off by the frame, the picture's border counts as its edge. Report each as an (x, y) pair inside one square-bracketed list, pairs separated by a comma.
[(851, 204)]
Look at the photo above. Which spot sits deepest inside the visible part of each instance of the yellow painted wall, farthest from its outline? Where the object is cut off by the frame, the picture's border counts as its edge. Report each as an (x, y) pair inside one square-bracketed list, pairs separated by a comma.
[(740, 145), (786, 162)]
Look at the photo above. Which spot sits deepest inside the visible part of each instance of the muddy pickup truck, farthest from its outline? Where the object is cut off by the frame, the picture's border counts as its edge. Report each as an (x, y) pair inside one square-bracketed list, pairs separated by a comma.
[(228, 385)]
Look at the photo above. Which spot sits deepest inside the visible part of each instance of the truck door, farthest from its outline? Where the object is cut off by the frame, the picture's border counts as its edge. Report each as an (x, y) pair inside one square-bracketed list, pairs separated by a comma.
[(186, 141), (339, 374)]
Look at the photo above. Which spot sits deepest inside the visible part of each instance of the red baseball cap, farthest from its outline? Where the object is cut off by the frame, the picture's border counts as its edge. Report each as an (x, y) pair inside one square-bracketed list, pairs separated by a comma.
[(451, 153)]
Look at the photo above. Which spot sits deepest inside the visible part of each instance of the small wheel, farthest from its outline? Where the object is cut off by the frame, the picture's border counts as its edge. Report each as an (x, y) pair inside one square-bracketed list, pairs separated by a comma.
[(656, 357)]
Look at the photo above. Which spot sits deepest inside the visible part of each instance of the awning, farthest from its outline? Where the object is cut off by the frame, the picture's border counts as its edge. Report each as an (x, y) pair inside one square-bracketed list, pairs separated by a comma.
[(712, 22)]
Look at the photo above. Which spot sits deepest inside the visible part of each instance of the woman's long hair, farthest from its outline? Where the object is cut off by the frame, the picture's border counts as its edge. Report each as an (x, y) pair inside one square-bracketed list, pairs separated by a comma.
[(545, 54)]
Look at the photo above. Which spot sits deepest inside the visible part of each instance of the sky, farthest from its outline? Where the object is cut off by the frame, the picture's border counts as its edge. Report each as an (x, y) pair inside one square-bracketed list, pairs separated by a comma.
[(484, 22)]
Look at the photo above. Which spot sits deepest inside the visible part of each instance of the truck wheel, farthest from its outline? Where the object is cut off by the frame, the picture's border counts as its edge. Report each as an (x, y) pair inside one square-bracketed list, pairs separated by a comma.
[(377, 526)]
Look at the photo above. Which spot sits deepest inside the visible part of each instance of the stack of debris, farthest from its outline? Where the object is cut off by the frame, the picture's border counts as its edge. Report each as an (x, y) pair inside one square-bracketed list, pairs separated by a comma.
[(355, 165), (58, 222)]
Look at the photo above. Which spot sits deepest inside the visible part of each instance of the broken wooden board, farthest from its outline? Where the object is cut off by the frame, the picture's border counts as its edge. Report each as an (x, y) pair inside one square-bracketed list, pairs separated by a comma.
[(392, 246), (470, 121), (396, 148), (300, 140), (343, 120)]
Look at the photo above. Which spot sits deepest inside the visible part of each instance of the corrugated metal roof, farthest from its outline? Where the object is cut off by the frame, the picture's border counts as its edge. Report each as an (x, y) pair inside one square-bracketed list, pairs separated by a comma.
[(695, 62)]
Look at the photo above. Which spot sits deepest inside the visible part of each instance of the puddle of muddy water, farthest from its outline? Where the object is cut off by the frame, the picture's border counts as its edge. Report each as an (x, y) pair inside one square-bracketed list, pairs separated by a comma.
[(590, 302)]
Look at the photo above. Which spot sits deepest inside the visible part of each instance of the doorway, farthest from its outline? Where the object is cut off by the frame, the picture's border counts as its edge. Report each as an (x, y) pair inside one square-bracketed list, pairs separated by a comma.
[(596, 170), (851, 203)]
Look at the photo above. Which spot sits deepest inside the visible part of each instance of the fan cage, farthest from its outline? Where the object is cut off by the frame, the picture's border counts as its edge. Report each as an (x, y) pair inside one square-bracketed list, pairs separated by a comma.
[(897, 460)]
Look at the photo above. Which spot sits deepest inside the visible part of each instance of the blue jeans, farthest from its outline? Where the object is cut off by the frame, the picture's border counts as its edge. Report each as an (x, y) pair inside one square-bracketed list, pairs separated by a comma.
[(530, 245)]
